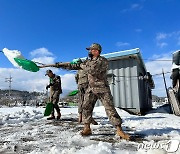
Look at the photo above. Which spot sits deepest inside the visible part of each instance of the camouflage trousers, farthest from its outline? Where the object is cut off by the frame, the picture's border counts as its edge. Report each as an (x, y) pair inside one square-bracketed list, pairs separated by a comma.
[(82, 89), (107, 101), (54, 98)]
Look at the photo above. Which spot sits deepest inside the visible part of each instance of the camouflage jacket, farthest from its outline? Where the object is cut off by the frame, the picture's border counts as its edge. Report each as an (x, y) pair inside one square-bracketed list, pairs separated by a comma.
[(81, 77), (55, 84), (96, 70)]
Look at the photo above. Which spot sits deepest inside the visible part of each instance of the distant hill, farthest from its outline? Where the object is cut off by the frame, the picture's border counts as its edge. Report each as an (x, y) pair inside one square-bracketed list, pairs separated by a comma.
[(17, 96), (157, 98), (30, 98), (17, 93)]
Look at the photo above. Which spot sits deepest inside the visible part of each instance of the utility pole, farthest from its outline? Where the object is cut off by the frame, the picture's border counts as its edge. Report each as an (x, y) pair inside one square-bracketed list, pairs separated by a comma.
[(10, 81), (165, 85)]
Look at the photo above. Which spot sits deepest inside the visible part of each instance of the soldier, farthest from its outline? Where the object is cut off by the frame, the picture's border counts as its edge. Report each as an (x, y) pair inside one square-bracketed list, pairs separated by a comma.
[(98, 88), (55, 91), (82, 81)]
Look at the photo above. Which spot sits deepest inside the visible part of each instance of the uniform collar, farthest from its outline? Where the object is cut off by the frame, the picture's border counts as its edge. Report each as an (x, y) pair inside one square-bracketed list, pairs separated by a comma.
[(53, 76), (95, 58)]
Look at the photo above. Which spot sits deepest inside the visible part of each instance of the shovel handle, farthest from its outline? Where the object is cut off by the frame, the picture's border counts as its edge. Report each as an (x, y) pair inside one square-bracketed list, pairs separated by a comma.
[(48, 65), (57, 65)]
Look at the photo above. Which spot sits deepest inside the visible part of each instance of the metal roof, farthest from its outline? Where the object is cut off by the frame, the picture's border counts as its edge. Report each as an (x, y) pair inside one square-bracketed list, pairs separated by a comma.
[(122, 53)]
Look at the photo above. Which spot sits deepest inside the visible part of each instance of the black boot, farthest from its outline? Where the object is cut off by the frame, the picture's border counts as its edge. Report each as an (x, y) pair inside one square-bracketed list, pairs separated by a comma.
[(51, 118), (59, 116)]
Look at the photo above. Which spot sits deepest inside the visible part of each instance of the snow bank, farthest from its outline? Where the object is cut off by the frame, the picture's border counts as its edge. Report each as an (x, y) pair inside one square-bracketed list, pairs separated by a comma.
[(100, 148), (16, 115)]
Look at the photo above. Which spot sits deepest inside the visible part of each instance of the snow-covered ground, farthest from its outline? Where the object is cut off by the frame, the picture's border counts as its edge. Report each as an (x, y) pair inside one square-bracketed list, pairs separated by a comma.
[(25, 130)]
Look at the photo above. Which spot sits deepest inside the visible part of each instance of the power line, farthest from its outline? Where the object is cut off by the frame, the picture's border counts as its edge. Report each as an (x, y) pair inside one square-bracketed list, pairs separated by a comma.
[(158, 60), (161, 73), (141, 76)]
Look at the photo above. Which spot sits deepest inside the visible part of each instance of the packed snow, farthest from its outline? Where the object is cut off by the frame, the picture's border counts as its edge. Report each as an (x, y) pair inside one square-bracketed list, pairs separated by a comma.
[(26, 130), (11, 54)]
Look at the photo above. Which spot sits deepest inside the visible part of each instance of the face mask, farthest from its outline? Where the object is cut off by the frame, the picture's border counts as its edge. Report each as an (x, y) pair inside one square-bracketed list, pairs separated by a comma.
[(90, 54)]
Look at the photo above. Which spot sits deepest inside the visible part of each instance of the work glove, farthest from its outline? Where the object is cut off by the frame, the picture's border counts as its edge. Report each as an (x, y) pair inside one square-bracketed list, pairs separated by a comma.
[(57, 64), (47, 87)]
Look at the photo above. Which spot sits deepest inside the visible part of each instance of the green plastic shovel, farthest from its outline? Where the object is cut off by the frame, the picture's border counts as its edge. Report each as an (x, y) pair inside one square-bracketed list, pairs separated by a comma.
[(49, 108), (73, 93), (27, 64)]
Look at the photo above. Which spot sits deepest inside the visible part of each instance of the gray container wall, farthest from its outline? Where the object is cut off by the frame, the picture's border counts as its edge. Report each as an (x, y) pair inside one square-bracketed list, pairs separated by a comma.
[(124, 84), (125, 87), (145, 96), (128, 91)]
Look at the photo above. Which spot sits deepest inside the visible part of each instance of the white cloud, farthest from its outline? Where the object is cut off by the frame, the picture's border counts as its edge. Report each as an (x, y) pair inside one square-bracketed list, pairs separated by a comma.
[(42, 55), (161, 36), (155, 68), (133, 7), (136, 6), (33, 81), (138, 30), (119, 44), (178, 41), (166, 37), (162, 44), (41, 52), (68, 81), (23, 80), (44, 60)]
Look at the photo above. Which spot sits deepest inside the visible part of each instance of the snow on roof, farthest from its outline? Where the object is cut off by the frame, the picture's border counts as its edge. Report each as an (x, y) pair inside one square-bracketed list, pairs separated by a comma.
[(176, 51), (122, 53)]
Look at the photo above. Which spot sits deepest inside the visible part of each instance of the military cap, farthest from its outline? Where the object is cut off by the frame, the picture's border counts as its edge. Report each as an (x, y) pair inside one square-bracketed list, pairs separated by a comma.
[(95, 46), (48, 71)]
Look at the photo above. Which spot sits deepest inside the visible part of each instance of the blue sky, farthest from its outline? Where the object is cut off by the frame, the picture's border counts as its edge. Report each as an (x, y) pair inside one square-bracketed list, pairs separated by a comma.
[(61, 29)]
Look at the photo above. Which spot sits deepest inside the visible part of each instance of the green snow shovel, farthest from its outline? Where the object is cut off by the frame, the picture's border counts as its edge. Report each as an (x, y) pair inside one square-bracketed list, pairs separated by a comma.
[(27, 64), (73, 93), (49, 108)]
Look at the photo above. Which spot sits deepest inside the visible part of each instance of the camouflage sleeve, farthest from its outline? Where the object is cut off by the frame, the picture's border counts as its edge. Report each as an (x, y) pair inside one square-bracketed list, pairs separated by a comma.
[(68, 66), (77, 78), (56, 80), (73, 66)]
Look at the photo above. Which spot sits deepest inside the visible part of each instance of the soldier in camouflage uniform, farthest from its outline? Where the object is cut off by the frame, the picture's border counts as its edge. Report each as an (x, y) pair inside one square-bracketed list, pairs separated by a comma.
[(82, 81), (55, 91), (98, 88)]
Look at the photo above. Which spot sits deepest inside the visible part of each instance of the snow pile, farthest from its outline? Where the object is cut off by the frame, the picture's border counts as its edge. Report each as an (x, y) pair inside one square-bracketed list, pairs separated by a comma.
[(11, 54), (100, 148), (17, 115)]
